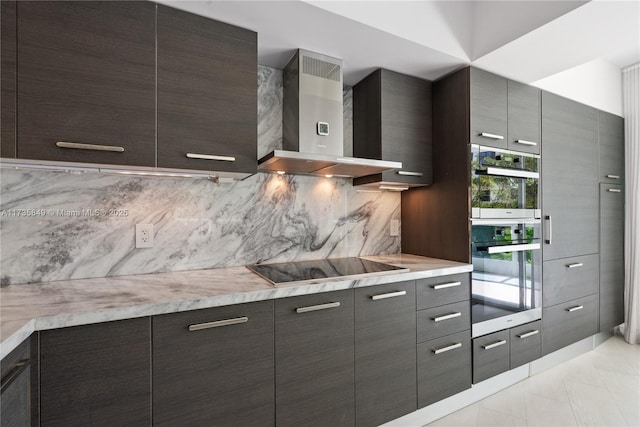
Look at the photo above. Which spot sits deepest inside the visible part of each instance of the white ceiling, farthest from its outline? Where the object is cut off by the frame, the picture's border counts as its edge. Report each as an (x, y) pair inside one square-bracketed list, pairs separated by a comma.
[(523, 40)]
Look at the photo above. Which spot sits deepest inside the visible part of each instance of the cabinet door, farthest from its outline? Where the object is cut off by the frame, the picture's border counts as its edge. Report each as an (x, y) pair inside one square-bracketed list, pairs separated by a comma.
[(87, 76), (406, 127), (566, 323), (15, 386), (490, 355), (524, 117), (214, 366), (385, 351), (444, 367), (8, 76), (96, 375), (611, 146), (611, 256), (315, 360), (488, 109), (569, 178), (207, 94)]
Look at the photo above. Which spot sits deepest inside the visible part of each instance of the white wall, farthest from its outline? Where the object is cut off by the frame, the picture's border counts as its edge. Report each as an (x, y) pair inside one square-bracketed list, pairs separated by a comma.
[(597, 83)]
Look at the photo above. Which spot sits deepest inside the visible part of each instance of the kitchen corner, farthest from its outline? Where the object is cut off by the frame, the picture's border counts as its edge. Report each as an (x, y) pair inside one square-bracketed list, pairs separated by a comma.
[(41, 306)]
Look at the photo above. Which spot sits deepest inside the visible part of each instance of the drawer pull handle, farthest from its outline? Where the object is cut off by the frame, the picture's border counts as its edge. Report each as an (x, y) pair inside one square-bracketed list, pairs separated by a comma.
[(317, 307), (447, 317), (525, 142), (447, 348), (575, 265), (576, 308), (389, 295), (446, 285), (491, 135), (494, 345), (218, 323), (15, 373), (613, 176), (93, 147), (614, 190), (211, 157), (529, 334), (408, 173)]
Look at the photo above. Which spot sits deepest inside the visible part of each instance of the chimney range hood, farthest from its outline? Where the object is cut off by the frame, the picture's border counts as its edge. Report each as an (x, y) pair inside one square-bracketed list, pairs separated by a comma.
[(312, 123)]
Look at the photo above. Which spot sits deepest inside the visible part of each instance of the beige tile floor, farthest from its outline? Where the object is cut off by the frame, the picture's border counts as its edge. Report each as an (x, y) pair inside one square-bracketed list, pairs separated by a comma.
[(598, 388)]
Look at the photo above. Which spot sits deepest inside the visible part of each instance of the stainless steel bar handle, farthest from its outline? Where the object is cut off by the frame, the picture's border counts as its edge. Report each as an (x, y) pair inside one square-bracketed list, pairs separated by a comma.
[(408, 173), (613, 176), (218, 323), (13, 374), (529, 334), (491, 135), (494, 345), (512, 248), (576, 308), (317, 307), (575, 265), (93, 147), (447, 317), (511, 173), (389, 295), (211, 157), (548, 218), (447, 348), (614, 190), (525, 142), (446, 285)]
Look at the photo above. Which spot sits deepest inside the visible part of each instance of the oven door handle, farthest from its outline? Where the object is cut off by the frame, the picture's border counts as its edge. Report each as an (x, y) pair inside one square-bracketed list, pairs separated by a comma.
[(511, 173), (509, 248)]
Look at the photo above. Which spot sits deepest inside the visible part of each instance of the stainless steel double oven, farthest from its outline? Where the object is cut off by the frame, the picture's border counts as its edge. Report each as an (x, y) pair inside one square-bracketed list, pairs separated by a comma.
[(506, 239)]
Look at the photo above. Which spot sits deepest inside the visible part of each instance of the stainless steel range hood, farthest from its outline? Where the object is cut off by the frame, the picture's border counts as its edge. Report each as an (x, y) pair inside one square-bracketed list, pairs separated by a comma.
[(312, 123)]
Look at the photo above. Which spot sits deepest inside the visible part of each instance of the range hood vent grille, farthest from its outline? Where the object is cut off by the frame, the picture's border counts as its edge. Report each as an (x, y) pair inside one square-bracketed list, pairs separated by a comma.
[(319, 68)]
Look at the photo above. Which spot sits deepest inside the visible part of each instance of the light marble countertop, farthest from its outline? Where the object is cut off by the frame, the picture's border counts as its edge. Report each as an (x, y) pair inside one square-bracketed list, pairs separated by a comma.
[(32, 307)]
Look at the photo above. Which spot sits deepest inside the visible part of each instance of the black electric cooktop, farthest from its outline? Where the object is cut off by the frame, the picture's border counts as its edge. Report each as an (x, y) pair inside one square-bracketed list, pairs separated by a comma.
[(300, 272)]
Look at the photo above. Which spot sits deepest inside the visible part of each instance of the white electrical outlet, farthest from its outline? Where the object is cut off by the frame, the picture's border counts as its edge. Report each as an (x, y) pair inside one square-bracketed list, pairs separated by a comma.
[(394, 228), (144, 235)]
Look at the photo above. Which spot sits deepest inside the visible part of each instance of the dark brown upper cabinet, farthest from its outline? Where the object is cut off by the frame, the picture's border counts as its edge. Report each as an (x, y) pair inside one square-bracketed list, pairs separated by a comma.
[(504, 113), (86, 82), (207, 94), (8, 76), (392, 121), (611, 147)]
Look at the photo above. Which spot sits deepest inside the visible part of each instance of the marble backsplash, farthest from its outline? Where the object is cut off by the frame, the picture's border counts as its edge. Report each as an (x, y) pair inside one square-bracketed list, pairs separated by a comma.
[(83, 226)]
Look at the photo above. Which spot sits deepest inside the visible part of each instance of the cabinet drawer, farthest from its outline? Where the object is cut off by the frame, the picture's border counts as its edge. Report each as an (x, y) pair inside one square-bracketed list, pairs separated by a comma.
[(526, 343), (569, 278), (442, 290), (444, 367), (221, 354), (566, 323), (490, 355), (444, 320)]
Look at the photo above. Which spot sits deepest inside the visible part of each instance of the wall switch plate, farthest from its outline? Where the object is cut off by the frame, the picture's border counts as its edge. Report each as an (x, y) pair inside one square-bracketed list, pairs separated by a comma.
[(394, 228), (144, 235)]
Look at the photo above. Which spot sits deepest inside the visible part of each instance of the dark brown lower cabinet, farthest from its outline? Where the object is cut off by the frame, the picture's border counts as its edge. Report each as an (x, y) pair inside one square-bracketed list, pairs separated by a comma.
[(490, 355), (385, 352), (315, 360), (444, 367), (96, 375), (16, 391), (214, 367), (569, 322)]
